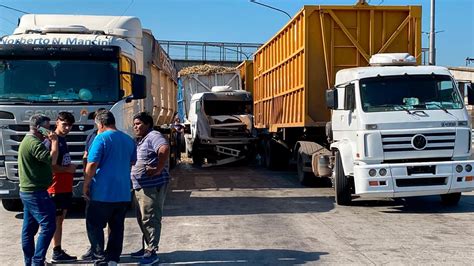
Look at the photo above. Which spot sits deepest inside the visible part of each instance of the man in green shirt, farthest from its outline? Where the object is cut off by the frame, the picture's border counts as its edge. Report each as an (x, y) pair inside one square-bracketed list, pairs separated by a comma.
[(35, 171)]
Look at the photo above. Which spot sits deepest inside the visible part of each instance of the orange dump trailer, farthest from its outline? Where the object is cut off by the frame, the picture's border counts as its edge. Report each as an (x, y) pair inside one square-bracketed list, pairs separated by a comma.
[(293, 70), (295, 67), (246, 75)]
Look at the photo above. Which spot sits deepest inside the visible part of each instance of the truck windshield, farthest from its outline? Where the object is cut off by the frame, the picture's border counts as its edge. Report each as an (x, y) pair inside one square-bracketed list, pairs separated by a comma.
[(214, 108), (409, 92), (59, 81)]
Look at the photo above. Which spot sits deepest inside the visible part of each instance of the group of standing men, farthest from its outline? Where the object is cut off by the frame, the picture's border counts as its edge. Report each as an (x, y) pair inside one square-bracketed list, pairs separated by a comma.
[(114, 164)]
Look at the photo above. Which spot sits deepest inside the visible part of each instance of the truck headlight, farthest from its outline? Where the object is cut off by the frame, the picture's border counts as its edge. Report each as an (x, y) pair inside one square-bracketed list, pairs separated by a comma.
[(372, 172), (459, 168), (371, 126), (468, 168), (382, 172)]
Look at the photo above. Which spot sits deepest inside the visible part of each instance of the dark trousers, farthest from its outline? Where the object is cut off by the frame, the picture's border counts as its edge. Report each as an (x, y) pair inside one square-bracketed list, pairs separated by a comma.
[(39, 211), (98, 215)]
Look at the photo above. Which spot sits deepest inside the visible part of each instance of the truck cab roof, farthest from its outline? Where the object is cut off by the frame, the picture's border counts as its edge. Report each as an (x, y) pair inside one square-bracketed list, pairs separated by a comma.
[(236, 95), (348, 75), (120, 26)]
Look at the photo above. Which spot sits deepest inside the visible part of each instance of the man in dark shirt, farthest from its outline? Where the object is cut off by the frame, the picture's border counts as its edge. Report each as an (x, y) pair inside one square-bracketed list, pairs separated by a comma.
[(90, 138), (35, 172), (61, 188)]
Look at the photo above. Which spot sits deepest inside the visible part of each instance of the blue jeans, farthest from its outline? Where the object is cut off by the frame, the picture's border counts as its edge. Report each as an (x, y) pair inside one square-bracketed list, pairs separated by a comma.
[(39, 210)]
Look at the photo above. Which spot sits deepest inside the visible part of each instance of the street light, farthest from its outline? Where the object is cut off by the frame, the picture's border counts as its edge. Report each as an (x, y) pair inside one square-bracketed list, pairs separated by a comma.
[(271, 7)]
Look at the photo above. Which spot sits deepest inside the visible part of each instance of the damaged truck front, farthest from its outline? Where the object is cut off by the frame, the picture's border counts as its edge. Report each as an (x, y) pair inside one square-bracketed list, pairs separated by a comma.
[(219, 117)]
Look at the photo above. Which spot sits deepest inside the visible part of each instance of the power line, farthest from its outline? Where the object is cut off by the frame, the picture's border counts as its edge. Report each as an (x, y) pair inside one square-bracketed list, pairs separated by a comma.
[(14, 9), (9, 21)]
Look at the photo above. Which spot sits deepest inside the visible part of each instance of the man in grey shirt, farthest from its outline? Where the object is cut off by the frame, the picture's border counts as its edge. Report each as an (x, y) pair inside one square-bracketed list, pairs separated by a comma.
[(150, 178)]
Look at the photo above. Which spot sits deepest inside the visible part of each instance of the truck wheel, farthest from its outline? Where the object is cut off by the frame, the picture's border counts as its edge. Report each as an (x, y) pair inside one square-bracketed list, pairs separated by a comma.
[(12, 205), (342, 184), (197, 157), (276, 155), (304, 177), (451, 198)]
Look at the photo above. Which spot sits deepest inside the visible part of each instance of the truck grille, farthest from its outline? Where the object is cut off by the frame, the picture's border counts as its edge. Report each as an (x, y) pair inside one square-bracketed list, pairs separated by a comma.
[(240, 132), (15, 134), (405, 142), (417, 182)]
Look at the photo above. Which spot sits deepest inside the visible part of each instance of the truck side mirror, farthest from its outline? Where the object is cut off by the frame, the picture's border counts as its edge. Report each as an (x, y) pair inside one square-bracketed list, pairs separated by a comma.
[(331, 99), (349, 97), (138, 86), (470, 94)]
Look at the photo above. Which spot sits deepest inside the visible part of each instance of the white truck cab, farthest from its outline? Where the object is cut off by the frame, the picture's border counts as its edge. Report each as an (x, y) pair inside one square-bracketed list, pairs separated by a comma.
[(221, 124), (78, 63), (399, 130)]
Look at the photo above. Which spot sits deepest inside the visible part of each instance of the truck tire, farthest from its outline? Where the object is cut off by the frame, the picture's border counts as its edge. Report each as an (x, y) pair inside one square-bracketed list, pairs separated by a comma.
[(304, 177), (451, 199), (12, 205), (276, 156), (341, 183)]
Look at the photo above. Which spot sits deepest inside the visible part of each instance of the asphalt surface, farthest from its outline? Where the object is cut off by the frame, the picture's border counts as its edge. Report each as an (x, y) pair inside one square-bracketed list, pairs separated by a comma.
[(239, 215)]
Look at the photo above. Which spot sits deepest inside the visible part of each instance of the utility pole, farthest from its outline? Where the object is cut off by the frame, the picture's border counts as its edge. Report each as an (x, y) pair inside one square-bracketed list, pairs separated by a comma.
[(432, 60)]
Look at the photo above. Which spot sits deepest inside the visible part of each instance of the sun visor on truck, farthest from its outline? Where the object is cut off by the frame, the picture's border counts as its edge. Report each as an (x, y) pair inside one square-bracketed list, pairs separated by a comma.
[(59, 51), (227, 96)]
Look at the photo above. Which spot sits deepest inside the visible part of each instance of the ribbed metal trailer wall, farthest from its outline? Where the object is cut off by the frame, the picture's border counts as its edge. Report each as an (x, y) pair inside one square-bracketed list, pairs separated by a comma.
[(246, 75), (293, 70), (162, 78)]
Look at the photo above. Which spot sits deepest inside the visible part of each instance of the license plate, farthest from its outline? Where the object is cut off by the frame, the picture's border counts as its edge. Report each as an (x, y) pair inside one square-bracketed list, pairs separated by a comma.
[(4, 191)]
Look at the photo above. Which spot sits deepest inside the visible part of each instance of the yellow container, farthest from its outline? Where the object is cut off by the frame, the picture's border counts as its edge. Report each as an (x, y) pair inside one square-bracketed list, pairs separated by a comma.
[(293, 69), (246, 75)]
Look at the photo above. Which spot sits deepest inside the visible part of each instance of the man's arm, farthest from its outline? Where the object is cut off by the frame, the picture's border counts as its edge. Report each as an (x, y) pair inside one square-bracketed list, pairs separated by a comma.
[(84, 160), (64, 169), (89, 173), (54, 147), (93, 158), (47, 153), (163, 154)]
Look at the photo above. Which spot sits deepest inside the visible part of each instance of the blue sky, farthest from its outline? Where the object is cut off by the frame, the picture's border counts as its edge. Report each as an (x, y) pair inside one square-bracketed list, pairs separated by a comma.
[(242, 21)]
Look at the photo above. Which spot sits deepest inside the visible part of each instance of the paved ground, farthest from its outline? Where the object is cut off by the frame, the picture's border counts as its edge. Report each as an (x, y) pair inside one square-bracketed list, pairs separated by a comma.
[(248, 215)]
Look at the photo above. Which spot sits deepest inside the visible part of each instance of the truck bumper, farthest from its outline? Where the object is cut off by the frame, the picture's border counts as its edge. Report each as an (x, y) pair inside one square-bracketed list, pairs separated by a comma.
[(413, 179), (11, 190)]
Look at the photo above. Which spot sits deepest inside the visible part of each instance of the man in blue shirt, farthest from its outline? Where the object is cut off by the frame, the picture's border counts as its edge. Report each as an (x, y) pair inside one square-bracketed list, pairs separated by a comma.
[(107, 186), (150, 178)]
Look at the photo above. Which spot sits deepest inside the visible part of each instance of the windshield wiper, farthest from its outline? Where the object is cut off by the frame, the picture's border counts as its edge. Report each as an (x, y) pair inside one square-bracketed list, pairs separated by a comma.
[(395, 105), (64, 101), (440, 107), (15, 100)]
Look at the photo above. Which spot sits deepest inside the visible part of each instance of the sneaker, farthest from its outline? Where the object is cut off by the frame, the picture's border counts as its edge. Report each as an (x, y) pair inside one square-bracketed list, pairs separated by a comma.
[(138, 254), (91, 256), (149, 258), (62, 256), (104, 262)]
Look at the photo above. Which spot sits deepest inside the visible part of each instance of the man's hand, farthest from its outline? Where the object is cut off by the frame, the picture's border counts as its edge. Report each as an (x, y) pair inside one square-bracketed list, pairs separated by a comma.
[(52, 136), (86, 191), (152, 171)]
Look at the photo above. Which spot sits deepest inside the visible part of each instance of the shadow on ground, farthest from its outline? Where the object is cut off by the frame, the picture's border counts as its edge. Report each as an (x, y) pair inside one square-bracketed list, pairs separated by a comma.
[(432, 204), (241, 257), (182, 204)]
